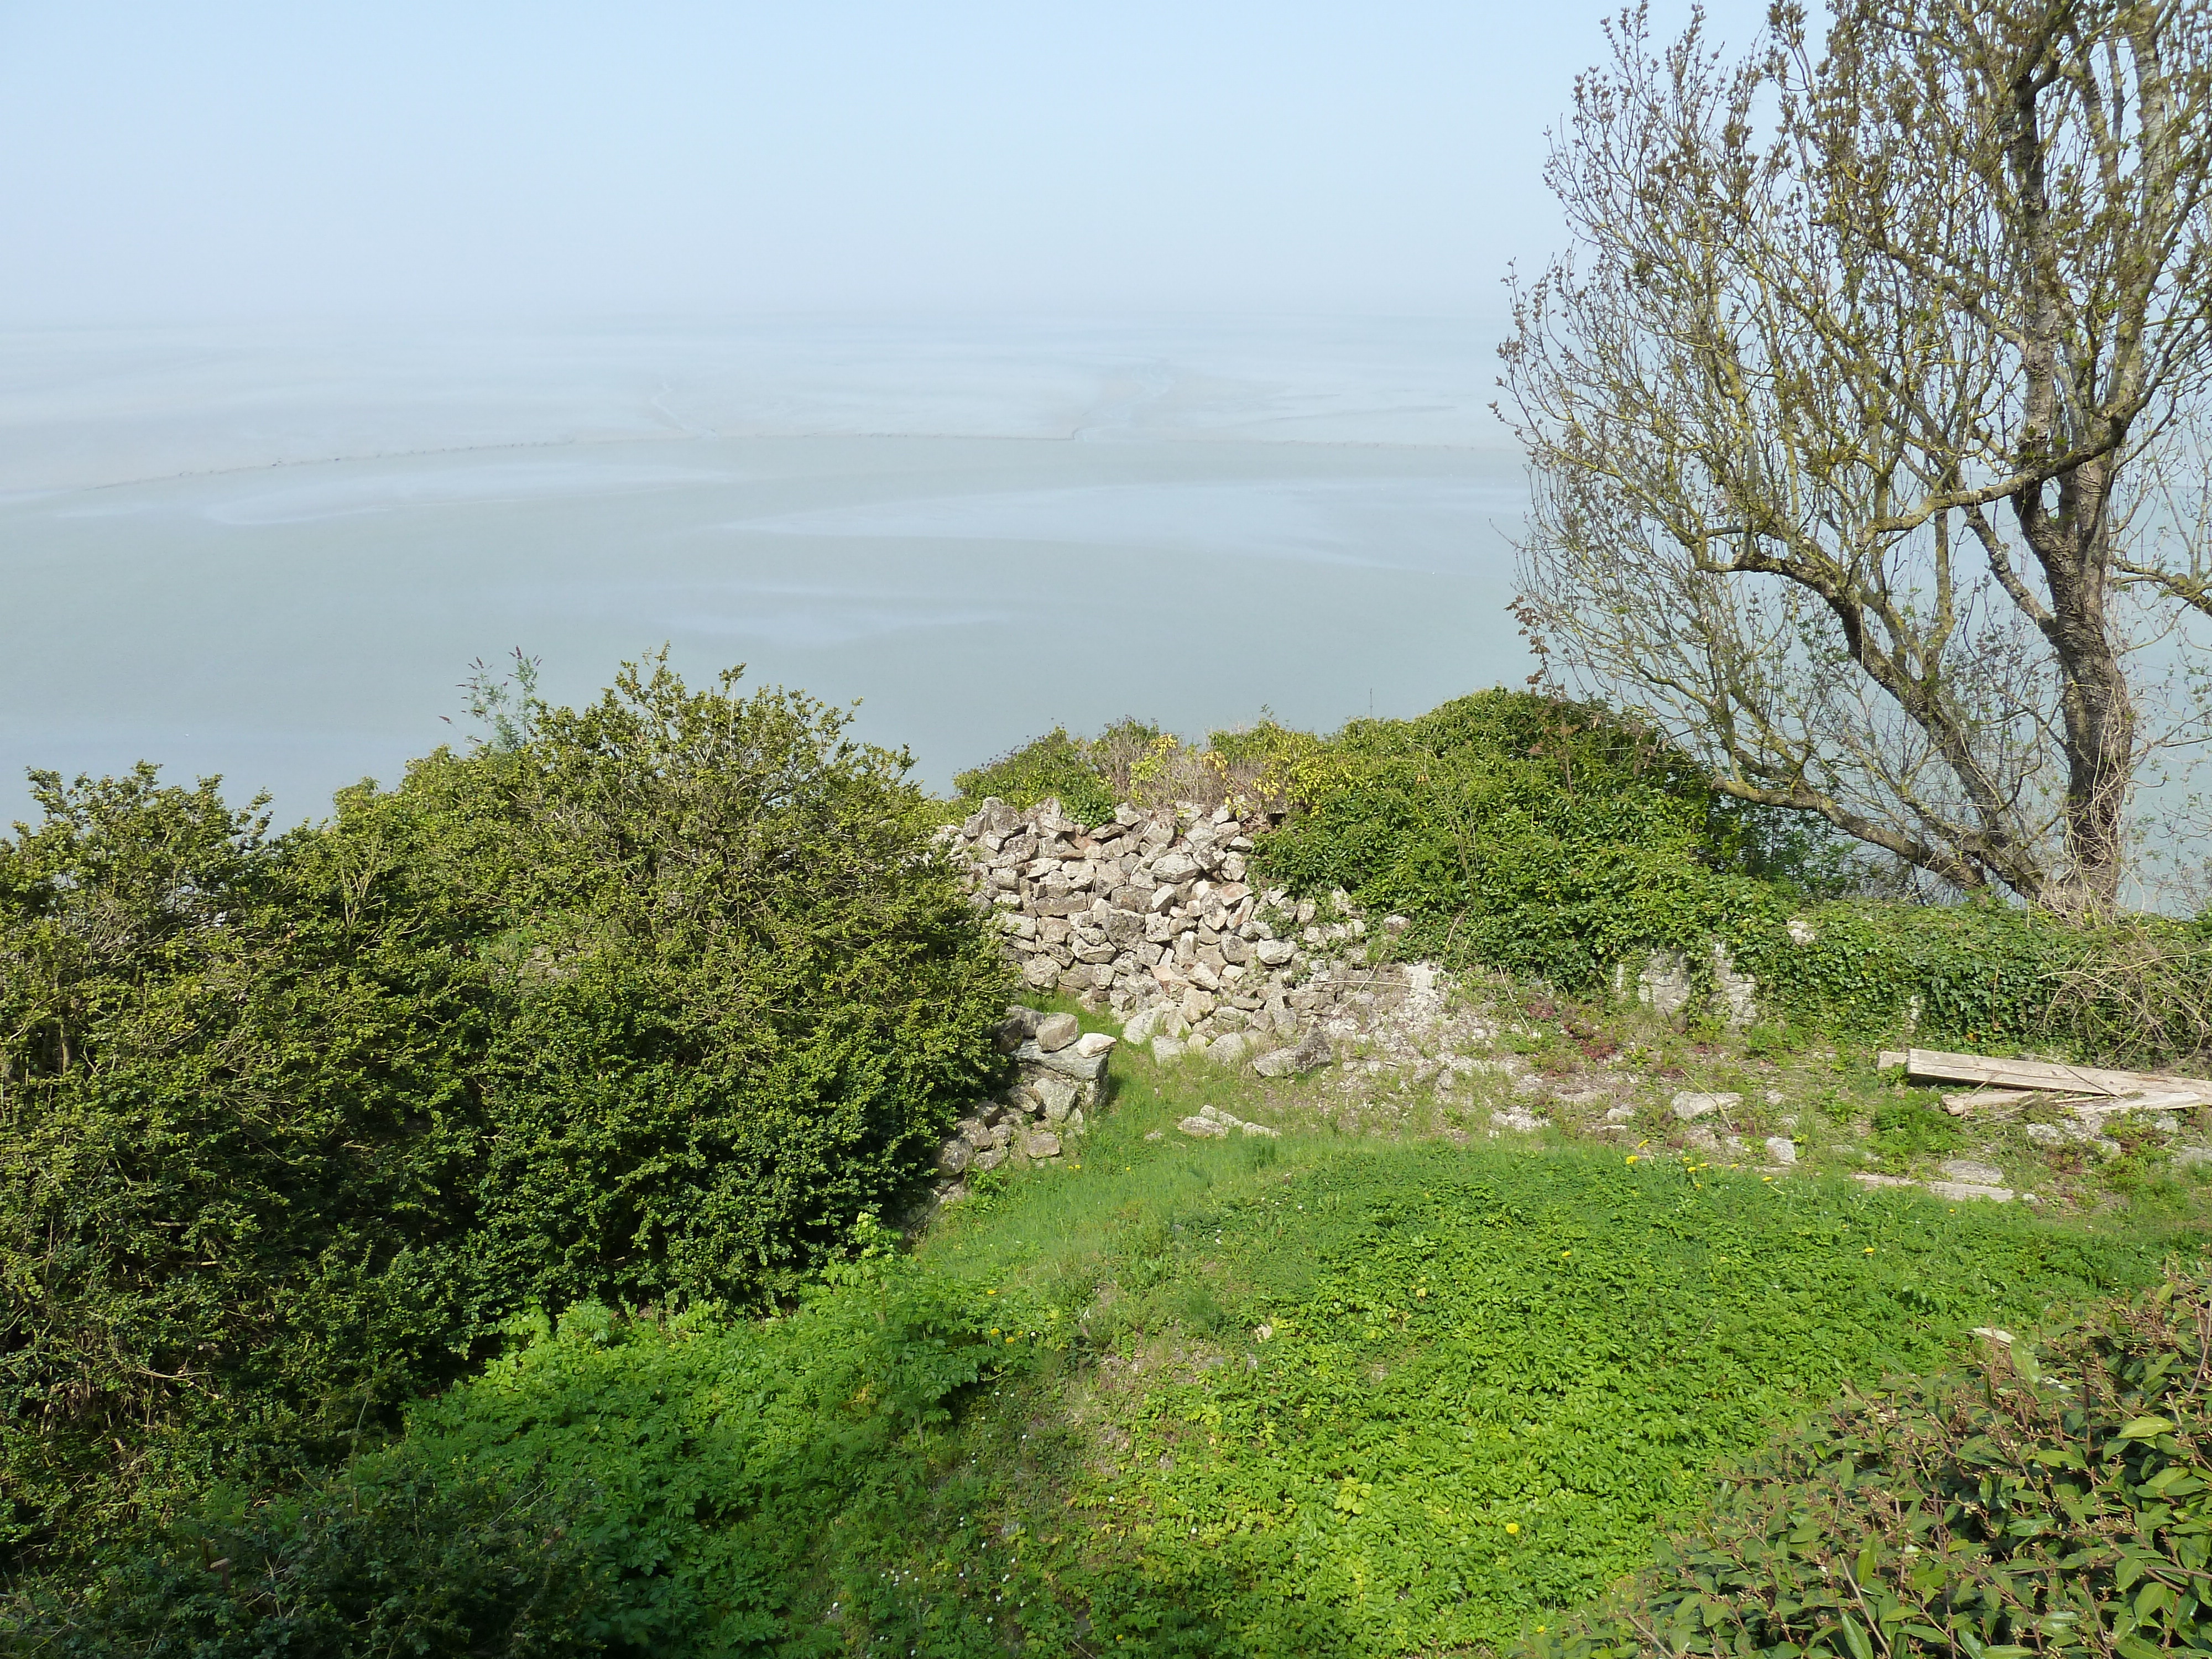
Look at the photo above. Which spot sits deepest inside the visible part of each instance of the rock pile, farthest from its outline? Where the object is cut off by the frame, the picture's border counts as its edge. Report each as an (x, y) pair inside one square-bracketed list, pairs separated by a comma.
[(1151, 914), (1041, 1116)]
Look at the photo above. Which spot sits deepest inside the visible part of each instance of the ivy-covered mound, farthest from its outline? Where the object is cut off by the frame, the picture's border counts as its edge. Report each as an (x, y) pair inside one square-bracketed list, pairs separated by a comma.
[(646, 1003), (2051, 1502)]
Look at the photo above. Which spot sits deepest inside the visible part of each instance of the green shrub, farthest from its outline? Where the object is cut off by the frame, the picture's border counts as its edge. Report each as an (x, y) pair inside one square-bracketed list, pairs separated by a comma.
[(646, 1008), (390, 1560), (1543, 838), (2050, 1501), (1054, 765)]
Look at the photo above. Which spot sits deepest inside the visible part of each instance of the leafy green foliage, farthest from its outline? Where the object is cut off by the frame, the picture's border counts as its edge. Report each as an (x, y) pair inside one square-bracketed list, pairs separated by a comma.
[(646, 1006), (1911, 1126), (1072, 770), (2051, 1502), (1540, 837), (391, 1559), (1489, 1380), (616, 1484)]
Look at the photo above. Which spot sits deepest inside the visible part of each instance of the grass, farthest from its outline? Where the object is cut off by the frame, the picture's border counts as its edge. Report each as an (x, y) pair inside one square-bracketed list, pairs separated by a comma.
[(1330, 1393), (1488, 1377)]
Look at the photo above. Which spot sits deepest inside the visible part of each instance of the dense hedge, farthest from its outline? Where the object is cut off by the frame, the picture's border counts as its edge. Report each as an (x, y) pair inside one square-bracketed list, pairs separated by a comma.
[(2048, 1503), (1541, 838), (647, 1008)]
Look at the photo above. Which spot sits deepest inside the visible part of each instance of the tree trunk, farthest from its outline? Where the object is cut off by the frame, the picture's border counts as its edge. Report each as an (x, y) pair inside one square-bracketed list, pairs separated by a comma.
[(2073, 546)]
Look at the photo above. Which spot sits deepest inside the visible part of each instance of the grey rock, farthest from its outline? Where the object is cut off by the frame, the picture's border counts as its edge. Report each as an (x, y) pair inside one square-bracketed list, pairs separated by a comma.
[(1275, 952), (1279, 1062), (1313, 1050), (1780, 1149), (1167, 1049), (1138, 1029), (1196, 1005), (1175, 867), (1084, 1068), (1056, 1031), (1228, 1049), (1057, 1094), (1040, 1143), (955, 1155), (1689, 1107), (1216, 1115), (1967, 1170), (991, 1159), (1204, 1128), (1041, 972), (1663, 987)]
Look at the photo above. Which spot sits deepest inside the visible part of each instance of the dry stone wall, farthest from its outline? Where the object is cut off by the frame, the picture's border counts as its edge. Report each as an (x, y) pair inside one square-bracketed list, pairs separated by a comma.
[(1151, 914), (1059, 1071)]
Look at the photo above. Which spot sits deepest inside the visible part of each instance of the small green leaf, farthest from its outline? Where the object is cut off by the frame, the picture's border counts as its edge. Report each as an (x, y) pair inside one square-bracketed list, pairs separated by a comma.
[(2144, 1428)]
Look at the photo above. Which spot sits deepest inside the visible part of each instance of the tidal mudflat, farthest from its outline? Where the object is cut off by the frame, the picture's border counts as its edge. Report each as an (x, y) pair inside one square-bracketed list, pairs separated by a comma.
[(1070, 534)]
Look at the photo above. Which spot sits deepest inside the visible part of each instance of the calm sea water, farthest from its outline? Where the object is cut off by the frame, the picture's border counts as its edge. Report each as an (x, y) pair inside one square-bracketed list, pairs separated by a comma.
[(273, 556)]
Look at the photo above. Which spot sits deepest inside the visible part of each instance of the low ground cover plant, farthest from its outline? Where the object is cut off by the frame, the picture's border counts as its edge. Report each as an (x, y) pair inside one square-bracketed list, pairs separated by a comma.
[(1487, 1381), (2050, 1497)]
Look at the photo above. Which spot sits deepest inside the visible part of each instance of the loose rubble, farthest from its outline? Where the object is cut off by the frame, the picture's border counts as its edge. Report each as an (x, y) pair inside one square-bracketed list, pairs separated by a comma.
[(1043, 1114), (1212, 1123)]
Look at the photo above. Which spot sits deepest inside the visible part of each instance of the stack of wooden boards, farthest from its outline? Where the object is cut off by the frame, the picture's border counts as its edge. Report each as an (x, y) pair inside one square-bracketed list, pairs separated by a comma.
[(2091, 1091)]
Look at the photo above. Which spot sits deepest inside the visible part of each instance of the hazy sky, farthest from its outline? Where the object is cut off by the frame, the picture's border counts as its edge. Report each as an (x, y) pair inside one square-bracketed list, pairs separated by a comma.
[(299, 158)]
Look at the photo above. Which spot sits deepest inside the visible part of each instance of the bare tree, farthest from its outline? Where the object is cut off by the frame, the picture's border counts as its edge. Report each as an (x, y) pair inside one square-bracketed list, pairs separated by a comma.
[(1834, 412)]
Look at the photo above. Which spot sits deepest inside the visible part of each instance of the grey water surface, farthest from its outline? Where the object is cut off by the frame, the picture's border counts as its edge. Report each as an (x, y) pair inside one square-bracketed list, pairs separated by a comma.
[(273, 555)]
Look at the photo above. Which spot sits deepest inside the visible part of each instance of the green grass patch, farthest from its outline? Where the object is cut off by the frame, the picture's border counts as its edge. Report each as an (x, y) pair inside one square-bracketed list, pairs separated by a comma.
[(1489, 1380), (2048, 1497)]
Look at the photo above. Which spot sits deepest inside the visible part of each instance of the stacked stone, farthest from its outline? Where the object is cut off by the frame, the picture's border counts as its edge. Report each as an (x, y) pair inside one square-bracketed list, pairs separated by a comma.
[(1041, 1116), (1150, 913)]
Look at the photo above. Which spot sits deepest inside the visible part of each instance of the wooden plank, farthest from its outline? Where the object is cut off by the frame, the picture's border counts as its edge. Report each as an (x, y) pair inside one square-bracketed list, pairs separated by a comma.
[(1933, 1065)]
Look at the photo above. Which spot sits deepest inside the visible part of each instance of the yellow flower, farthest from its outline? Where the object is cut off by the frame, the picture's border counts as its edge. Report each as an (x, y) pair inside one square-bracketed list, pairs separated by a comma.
[(1512, 1526), (1870, 1249), (1632, 1157)]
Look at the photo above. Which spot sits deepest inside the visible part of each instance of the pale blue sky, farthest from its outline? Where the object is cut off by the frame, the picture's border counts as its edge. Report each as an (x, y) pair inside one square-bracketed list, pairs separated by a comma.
[(254, 159)]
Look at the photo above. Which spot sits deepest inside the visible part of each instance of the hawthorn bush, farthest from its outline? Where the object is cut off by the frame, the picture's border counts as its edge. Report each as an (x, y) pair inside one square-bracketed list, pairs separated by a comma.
[(646, 1005)]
